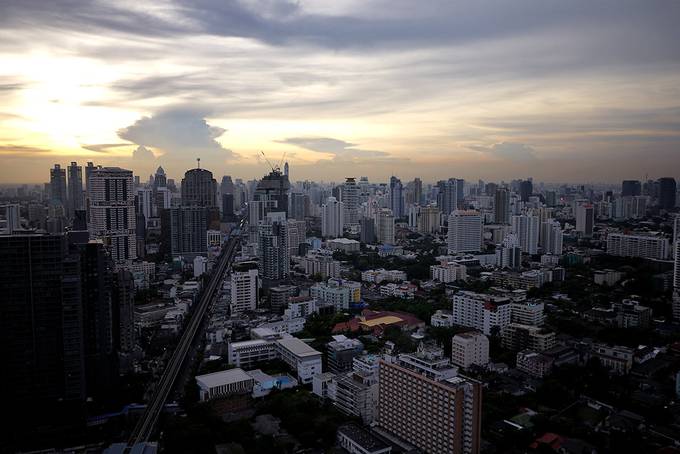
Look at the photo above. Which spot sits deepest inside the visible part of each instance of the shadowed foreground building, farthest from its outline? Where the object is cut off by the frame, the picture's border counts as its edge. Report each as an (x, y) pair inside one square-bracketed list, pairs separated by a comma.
[(424, 402)]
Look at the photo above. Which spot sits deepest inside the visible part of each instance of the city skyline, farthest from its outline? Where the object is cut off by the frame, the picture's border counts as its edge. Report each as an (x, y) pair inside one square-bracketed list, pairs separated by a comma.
[(475, 90)]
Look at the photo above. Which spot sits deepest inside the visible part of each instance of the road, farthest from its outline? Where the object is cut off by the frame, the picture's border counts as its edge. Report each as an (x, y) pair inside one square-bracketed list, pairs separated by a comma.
[(146, 424)]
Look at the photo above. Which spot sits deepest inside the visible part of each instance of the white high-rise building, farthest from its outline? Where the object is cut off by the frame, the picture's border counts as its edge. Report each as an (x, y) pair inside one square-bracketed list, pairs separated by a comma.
[(112, 212), (585, 219), (384, 224), (471, 348), (350, 200), (332, 218), (244, 287), (526, 228), (465, 231), (551, 237), (482, 312), (645, 246)]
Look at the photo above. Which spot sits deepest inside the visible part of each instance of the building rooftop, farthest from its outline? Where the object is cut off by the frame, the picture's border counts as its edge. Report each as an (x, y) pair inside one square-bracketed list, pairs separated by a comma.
[(223, 377), (297, 347), (362, 437)]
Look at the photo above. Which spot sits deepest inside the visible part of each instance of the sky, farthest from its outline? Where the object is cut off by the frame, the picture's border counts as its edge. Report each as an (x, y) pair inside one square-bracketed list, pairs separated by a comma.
[(576, 90)]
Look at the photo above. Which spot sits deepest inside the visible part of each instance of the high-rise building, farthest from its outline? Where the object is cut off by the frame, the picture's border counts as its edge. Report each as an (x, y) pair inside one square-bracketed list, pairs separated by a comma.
[(332, 218), (199, 188), (384, 221), (341, 352), (470, 349), (226, 186), (244, 287), (367, 227), (423, 401), (286, 169), (631, 188), (227, 207), (124, 311), (447, 196), (12, 219), (272, 190), (552, 237), (465, 231), (76, 200), (526, 189), (585, 219), (298, 202), (396, 197), (350, 200), (418, 191), (428, 220), (297, 236), (58, 194), (273, 251), (645, 246), (667, 193), (112, 212), (526, 227), (676, 254), (502, 206), (188, 230)]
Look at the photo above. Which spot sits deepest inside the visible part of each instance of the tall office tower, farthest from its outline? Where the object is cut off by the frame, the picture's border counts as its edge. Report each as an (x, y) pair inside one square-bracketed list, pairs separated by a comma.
[(228, 207), (332, 218), (418, 191), (58, 194), (424, 401), (101, 362), (667, 193), (227, 186), (145, 202), (112, 212), (199, 188), (41, 335), (526, 189), (272, 190), (551, 198), (460, 193), (396, 197), (501, 206), (526, 228), (76, 200), (585, 219), (384, 222), (490, 189), (160, 180), (367, 226), (676, 266), (244, 287), (350, 200), (465, 231), (447, 196), (188, 230), (274, 258), (297, 206), (11, 218), (551, 237), (428, 220), (297, 235), (631, 188), (123, 296), (286, 170)]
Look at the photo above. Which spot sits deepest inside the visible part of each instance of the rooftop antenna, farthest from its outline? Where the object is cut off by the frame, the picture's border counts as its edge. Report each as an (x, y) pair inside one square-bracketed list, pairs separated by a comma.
[(268, 162), (198, 160)]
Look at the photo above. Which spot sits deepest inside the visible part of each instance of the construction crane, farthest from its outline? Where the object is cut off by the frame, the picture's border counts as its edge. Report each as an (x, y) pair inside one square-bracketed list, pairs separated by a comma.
[(276, 168)]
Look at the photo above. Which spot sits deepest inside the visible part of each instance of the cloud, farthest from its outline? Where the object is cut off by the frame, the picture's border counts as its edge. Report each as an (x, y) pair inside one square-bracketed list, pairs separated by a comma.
[(509, 151), (142, 153), (103, 147), (178, 133), (338, 148), (10, 149)]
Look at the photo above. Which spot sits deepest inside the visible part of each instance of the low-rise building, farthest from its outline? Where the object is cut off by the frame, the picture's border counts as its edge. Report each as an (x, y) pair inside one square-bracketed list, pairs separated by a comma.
[(224, 384), (343, 244), (471, 348), (356, 440), (300, 357), (616, 358), (447, 272), (341, 352), (382, 275), (405, 291), (442, 319), (534, 363), (607, 277), (516, 337)]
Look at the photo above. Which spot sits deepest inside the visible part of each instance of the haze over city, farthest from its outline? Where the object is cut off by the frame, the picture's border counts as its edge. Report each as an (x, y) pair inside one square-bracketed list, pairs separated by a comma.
[(561, 91)]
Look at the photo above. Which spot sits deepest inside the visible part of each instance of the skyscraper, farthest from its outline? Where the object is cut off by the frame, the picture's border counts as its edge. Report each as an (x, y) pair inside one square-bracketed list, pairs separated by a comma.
[(396, 197), (244, 287), (585, 219), (274, 258), (58, 194), (367, 227), (551, 237), (526, 228), (667, 193), (631, 188), (447, 196), (226, 186), (112, 207), (76, 200), (199, 188), (272, 190), (188, 230), (384, 222), (502, 206), (428, 220), (526, 189), (418, 191), (332, 218), (465, 231), (350, 200)]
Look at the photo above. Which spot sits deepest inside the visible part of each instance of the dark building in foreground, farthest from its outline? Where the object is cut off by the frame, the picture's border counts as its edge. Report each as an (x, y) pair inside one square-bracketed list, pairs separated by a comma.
[(667, 193)]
